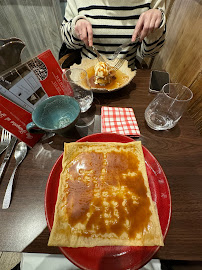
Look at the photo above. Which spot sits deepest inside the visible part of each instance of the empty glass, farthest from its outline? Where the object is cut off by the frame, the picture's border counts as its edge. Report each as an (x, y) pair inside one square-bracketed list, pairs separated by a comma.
[(76, 84), (168, 106)]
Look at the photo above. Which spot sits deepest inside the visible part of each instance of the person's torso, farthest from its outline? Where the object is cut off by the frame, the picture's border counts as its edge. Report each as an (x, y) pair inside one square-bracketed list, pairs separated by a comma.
[(113, 23)]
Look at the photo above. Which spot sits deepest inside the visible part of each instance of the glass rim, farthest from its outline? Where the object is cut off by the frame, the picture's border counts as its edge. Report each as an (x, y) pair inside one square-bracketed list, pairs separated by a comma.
[(187, 88), (70, 69), (77, 80), (64, 76)]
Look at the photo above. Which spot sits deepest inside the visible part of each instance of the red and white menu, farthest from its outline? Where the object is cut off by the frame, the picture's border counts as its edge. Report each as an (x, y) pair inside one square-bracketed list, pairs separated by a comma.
[(23, 88)]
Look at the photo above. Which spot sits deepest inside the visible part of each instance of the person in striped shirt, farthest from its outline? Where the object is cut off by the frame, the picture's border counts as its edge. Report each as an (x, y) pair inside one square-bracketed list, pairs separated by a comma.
[(107, 24)]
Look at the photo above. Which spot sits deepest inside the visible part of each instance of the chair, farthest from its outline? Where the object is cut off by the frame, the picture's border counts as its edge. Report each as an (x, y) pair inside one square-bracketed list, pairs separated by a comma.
[(68, 57)]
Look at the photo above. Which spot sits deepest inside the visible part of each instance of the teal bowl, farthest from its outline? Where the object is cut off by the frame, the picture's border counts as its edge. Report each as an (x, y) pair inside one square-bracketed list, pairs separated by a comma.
[(56, 114)]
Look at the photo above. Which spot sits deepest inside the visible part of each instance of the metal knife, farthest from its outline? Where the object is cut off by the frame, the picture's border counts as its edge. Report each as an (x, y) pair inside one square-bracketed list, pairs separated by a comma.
[(7, 156)]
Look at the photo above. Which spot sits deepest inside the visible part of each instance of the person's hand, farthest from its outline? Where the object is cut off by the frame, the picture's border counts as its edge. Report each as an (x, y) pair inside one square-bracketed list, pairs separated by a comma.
[(84, 31), (147, 23)]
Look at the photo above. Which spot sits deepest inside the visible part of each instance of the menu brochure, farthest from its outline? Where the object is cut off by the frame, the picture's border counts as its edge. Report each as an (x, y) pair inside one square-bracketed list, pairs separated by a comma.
[(23, 88)]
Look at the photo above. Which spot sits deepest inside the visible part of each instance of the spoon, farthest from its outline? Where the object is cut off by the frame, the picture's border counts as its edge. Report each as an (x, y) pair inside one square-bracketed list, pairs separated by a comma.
[(20, 153)]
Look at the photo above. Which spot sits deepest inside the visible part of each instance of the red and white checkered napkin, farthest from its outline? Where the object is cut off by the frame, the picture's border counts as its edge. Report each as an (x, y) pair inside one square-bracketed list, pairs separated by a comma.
[(119, 120)]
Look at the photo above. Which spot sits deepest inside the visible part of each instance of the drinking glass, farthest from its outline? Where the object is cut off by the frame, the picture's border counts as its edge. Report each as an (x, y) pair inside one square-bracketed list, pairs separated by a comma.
[(168, 106), (76, 84)]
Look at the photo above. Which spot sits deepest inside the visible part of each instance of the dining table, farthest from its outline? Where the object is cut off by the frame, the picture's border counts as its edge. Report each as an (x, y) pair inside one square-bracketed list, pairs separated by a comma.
[(23, 226)]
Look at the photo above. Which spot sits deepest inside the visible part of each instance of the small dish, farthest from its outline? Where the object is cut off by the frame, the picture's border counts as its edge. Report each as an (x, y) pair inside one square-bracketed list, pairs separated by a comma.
[(123, 76)]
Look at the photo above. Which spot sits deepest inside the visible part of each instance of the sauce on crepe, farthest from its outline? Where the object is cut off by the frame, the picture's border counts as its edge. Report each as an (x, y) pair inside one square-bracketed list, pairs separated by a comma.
[(106, 195)]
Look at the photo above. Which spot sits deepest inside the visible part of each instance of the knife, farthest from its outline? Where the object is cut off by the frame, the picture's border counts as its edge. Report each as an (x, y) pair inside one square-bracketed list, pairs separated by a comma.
[(8, 153)]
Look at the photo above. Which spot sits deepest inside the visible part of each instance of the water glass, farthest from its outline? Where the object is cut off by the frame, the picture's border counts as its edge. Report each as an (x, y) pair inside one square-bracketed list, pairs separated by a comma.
[(76, 84), (168, 106)]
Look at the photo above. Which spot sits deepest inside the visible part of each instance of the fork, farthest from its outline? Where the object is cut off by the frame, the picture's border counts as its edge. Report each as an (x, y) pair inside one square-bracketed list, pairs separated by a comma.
[(120, 48), (120, 61), (118, 64), (5, 140)]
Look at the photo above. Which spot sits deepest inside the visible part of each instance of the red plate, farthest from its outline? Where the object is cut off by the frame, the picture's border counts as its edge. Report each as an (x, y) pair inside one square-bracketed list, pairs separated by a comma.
[(114, 257)]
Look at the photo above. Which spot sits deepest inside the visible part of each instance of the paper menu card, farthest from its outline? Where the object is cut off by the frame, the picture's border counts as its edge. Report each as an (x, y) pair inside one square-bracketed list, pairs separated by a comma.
[(23, 88)]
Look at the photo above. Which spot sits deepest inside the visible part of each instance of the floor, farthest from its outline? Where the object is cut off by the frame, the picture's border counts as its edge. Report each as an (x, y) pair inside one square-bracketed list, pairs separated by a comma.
[(9, 260)]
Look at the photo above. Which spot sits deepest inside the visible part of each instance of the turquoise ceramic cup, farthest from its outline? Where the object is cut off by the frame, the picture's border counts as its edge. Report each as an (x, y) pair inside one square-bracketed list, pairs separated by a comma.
[(57, 114)]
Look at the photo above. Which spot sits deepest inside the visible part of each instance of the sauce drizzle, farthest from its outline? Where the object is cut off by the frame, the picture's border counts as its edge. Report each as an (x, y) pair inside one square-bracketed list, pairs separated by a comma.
[(106, 193), (119, 79)]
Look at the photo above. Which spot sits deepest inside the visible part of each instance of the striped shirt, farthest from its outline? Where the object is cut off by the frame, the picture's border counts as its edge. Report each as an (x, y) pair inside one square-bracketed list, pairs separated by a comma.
[(113, 23)]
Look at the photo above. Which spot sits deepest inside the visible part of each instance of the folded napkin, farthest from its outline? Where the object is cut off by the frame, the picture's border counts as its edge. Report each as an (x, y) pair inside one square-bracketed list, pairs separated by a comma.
[(119, 120)]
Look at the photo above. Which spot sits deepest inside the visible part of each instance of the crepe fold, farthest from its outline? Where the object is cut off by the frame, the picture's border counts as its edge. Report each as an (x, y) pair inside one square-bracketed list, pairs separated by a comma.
[(104, 198)]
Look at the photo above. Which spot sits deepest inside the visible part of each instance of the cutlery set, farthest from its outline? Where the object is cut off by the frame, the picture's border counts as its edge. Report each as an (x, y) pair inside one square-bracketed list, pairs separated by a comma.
[(8, 143), (120, 61)]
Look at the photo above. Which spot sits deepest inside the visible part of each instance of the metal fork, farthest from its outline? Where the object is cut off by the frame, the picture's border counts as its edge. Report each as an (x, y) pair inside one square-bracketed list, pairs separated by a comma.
[(118, 64), (5, 140), (120, 48), (120, 61)]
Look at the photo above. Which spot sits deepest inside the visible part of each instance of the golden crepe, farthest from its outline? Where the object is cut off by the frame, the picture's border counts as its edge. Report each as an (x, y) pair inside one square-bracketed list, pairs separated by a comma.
[(104, 198)]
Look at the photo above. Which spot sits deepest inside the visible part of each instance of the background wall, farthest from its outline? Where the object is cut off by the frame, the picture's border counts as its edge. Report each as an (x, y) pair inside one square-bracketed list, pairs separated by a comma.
[(35, 22), (181, 54)]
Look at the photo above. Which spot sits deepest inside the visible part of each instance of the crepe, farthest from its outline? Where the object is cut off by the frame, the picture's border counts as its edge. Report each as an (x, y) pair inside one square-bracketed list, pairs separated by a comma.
[(104, 198)]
